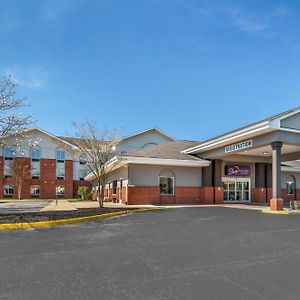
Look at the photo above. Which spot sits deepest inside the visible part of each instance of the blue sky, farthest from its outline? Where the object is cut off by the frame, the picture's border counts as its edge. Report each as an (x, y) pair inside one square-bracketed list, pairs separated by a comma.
[(193, 68)]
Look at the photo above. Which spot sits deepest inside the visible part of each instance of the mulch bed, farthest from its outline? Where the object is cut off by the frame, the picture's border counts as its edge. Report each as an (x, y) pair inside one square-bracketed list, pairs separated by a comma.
[(55, 215)]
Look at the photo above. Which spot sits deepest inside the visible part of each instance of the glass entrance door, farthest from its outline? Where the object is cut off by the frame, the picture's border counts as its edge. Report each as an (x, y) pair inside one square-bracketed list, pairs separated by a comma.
[(237, 190)]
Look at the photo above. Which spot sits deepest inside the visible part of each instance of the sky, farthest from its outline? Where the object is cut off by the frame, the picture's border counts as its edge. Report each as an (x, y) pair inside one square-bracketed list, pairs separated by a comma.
[(195, 69)]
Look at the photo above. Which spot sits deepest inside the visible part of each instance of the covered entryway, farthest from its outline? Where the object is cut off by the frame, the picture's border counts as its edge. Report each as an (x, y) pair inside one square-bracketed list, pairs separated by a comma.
[(237, 190)]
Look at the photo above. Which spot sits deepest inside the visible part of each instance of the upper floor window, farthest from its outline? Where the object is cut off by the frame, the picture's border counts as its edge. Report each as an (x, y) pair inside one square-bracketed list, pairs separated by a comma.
[(82, 174), (60, 155), (60, 171), (8, 153), (35, 170), (35, 154), (82, 160)]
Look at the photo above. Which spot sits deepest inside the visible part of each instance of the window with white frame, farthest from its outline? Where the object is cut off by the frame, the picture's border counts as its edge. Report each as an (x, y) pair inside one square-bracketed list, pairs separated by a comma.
[(35, 155), (166, 185), (60, 171), (82, 160), (82, 174), (290, 186), (35, 170), (60, 164), (60, 191), (7, 168), (60, 155), (35, 191), (8, 190), (8, 153)]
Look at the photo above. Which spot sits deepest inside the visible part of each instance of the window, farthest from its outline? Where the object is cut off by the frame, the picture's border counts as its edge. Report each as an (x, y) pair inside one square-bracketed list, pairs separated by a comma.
[(60, 155), (82, 174), (60, 171), (166, 185), (60, 191), (35, 191), (7, 168), (35, 154), (8, 153), (114, 187), (82, 160), (35, 169), (290, 186), (8, 190)]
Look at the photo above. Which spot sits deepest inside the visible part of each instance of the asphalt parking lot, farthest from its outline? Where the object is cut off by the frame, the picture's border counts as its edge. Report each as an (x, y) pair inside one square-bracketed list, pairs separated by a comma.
[(24, 206), (186, 253)]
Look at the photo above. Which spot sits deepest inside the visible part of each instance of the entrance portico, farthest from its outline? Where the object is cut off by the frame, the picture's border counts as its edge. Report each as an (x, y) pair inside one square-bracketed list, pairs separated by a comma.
[(253, 154)]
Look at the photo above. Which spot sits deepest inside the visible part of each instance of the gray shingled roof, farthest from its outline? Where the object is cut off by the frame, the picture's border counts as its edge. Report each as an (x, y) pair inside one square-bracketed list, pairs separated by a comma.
[(170, 150)]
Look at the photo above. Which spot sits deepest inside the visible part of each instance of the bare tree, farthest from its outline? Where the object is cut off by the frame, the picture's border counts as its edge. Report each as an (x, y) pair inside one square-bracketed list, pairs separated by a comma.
[(12, 121), (96, 147), (20, 172)]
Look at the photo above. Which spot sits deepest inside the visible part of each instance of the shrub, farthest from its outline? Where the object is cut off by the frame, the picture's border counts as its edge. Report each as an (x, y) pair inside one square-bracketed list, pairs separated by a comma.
[(85, 193)]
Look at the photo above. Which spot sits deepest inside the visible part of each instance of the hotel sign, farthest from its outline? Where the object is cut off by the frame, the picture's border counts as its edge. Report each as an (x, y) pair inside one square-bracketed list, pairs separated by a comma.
[(237, 170), (238, 146)]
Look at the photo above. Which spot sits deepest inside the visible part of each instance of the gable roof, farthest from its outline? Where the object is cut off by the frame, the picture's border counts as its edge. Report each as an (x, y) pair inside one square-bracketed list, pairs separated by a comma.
[(59, 139), (148, 130), (170, 150), (256, 126)]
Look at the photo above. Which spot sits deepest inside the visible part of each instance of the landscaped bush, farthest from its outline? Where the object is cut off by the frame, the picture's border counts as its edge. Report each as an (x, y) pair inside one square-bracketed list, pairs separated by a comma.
[(295, 205), (85, 193)]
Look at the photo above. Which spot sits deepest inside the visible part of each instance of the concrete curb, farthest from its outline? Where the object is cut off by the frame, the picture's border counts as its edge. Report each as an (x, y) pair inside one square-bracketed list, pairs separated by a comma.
[(44, 224), (275, 212)]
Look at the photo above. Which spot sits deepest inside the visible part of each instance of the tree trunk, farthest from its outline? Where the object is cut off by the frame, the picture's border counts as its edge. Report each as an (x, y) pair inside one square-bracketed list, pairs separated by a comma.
[(19, 192), (100, 198)]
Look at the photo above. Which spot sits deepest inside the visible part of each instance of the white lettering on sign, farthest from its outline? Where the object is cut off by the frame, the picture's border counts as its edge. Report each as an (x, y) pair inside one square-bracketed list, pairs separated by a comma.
[(238, 146)]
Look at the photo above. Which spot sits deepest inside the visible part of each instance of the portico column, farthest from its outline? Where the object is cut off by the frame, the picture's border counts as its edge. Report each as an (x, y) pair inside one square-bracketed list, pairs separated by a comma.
[(276, 202)]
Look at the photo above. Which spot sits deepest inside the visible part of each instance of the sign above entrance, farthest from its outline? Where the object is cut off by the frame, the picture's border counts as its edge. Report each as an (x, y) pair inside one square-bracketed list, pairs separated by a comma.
[(238, 146), (237, 171)]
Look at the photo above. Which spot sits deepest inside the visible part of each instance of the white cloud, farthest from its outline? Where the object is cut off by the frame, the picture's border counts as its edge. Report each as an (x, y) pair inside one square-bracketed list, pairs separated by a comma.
[(33, 77)]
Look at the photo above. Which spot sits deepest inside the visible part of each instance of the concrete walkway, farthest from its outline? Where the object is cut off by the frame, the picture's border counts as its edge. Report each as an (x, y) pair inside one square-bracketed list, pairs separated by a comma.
[(59, 205)]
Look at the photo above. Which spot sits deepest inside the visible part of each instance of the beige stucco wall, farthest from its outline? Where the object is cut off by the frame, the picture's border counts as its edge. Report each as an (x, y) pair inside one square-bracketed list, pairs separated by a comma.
[(147, 175)]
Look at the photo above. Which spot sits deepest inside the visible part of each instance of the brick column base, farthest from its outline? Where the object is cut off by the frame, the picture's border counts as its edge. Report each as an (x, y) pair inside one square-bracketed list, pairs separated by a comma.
[(276, 204)]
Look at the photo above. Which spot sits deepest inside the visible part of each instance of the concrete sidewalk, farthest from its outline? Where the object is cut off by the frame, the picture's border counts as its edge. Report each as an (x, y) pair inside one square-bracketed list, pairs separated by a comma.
[(64, 205), (59, 205)]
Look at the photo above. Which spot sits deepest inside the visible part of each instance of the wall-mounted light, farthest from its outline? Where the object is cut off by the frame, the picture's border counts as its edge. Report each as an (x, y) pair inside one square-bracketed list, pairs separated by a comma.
[(266, 153)]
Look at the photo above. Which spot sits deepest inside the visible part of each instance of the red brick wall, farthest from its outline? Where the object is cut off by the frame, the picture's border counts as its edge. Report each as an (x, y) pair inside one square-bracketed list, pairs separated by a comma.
[(143, 195), (259, 195), (219, 195), (183, 195), (287, 197), (207, 195), (187, 195), (124, 194), (48, 178)]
